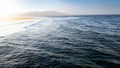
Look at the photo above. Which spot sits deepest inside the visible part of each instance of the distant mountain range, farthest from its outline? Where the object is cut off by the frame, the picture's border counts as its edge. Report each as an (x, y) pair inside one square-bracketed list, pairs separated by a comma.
[(45, 13), (52, 13)]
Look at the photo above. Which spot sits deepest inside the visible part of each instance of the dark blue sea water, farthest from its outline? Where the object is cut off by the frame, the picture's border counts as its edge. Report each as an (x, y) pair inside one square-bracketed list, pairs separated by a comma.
[(64, 42)]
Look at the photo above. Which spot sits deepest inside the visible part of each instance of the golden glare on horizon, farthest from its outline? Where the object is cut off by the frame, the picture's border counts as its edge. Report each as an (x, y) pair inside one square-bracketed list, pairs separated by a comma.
[(9, 15)]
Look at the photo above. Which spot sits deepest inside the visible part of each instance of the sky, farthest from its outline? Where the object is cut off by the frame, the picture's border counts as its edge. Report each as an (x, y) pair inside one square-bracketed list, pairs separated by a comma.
[(66, 6), (74, 6)]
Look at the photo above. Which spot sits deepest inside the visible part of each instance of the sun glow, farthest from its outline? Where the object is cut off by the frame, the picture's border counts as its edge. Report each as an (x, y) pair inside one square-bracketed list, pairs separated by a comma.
[(9, 8), (8, 20)]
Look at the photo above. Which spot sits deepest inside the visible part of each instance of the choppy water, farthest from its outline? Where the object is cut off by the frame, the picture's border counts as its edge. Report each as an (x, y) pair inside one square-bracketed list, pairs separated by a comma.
[(64, 42)]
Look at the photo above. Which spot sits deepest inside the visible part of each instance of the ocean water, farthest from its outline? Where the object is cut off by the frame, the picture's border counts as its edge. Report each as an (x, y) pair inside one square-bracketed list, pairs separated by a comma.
[(62, 42)]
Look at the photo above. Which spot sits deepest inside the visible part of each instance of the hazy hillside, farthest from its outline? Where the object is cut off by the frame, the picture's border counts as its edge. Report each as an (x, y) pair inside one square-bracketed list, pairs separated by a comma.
[(44, 13)]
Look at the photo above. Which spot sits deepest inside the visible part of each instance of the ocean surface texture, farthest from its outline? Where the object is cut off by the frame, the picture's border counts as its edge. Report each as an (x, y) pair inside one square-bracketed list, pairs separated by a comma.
[(62, 42)]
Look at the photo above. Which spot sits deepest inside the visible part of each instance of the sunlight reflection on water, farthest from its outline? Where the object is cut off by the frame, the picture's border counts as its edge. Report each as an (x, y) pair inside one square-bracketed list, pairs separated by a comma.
[(63, 42), (7, 28)]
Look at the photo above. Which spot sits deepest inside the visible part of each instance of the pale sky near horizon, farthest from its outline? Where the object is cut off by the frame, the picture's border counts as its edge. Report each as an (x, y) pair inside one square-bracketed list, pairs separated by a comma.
[(66, 6), (74, 6)]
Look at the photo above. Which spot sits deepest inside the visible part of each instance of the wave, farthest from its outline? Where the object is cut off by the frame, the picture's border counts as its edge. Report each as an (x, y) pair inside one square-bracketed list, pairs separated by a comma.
[(67, 42)]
